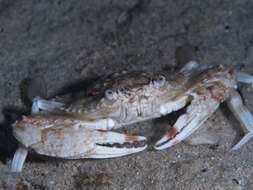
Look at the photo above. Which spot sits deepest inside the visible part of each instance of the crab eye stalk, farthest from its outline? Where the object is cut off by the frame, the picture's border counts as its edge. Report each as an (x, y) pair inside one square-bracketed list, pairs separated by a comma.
[(109, 94), (160, 81)]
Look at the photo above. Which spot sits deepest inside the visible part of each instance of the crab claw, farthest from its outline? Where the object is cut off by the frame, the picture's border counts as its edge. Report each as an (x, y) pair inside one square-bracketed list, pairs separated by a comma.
[(69, 141), (76, 143), (196, 114), (103, 138), (177, 134)]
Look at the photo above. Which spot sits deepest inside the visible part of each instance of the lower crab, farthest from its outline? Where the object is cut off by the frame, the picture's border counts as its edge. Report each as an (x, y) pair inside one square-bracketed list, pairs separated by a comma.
[(77, 129)]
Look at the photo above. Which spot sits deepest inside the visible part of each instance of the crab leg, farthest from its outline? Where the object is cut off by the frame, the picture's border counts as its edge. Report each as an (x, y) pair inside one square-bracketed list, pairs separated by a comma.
[(244, 78), (191, 65), (19, 159), (44, 105), (196, 114), (243, 115)]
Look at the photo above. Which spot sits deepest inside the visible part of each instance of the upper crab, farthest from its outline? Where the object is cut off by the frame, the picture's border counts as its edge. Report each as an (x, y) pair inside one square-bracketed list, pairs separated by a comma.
[(125, 99), (128, 98)]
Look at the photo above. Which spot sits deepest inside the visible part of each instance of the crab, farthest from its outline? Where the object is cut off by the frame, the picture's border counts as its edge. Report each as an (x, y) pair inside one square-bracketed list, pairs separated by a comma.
[(80, 129)]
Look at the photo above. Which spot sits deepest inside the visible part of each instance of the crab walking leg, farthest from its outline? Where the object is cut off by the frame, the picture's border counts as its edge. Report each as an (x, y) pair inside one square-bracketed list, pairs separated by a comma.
[(243, 115), (244, 78), (19, 159), (44, 105), (191, 65), (196, 114)]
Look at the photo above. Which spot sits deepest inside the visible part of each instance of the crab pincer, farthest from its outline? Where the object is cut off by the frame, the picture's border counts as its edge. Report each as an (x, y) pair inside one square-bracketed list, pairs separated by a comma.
[(205, 94), (68, 138)]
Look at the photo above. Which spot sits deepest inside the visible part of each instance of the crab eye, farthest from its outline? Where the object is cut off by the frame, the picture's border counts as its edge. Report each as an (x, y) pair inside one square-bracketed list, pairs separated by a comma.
[(160, 81), (109, 94)]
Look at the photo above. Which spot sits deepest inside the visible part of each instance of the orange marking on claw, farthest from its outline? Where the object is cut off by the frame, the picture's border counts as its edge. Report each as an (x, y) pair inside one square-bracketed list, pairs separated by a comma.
[(131, 138), (101, 131), (175, 142), (172, 132)]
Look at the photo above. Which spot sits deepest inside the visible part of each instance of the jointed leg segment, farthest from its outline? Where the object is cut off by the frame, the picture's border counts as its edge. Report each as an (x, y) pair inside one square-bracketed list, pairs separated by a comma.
[(243, 115)]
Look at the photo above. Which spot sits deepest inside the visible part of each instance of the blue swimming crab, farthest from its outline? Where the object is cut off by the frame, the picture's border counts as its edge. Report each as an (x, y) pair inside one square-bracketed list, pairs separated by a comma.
[(80, 129)]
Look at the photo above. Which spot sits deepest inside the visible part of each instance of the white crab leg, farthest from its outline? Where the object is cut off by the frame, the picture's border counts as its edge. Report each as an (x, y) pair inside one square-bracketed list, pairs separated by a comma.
[(19, 159), (244, 78), (45, 105), (191, 65), (243, 115)]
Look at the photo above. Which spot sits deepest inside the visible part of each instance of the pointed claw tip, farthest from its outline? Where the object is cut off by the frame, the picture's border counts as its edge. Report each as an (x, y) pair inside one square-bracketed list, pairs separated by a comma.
[(141, 138), (133, 150), (162, 147), (161, 141), (140, 149), (243, 141), (158, 147), (162, 144)]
